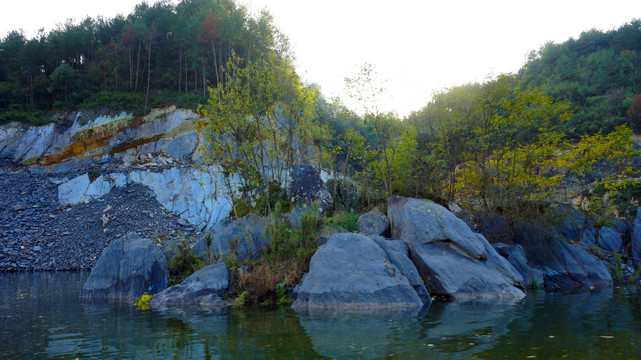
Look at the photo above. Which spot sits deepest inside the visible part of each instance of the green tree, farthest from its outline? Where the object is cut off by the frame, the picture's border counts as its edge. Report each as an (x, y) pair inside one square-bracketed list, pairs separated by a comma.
[(62, 79), (256, 126)]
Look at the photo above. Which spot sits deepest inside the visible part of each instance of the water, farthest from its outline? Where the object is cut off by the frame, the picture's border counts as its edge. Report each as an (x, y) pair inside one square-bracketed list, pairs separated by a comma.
[(42, 317)]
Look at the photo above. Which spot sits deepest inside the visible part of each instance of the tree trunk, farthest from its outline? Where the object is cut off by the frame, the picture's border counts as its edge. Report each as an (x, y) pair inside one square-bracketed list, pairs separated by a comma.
[(148, 74), (180, 68), (137, 66), (213, 48)]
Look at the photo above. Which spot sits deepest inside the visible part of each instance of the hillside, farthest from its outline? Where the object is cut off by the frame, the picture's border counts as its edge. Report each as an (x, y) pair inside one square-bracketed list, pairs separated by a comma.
[(157, 55), (598, 74)]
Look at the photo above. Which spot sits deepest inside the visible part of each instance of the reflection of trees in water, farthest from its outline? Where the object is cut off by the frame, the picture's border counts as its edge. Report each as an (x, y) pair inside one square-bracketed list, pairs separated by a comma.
[(581, 325), (43, 313), (444, 330)]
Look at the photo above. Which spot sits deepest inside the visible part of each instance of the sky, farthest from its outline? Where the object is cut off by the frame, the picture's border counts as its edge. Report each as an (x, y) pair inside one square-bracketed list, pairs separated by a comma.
[(417, 47)]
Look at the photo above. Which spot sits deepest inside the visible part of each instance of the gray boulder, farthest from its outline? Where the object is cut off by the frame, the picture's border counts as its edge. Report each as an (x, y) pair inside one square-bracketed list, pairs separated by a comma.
[(373, 223), (244, 238), (203, 288), (455, 261), (562, 264), (306, 186), (610, 239), (127, 269), (636, 239), (352, 272), (398, 252), (515, 254)]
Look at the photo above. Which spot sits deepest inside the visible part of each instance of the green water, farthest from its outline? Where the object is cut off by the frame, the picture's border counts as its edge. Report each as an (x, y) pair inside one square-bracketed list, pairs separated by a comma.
[(41, 317)]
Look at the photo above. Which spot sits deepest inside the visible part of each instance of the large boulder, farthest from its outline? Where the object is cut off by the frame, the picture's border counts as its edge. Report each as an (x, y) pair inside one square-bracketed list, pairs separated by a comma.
[(610, 239), (244, 239), (515, 254), (352, 272), (203, 288), (398, 253), (562, 264), (127, 269), (455, 261), (306, 187), (373, 223)]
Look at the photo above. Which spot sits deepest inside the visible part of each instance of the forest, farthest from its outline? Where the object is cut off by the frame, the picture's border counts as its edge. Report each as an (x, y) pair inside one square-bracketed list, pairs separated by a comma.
[(159, 54), (500, 145)]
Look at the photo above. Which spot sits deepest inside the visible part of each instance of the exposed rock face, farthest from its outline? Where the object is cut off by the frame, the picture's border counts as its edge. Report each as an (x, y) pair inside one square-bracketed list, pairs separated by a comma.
[(86, 139), (187, 192), (456, 262), (373, 223), (610, 239), (398, 252), (244, 238), (127, 269), (562, 264), (203, 288), (306, 186), (515, 254), (352, 272)]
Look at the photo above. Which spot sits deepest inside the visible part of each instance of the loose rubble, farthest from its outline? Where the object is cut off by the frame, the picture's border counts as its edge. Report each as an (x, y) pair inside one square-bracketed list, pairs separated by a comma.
[(37, 233)]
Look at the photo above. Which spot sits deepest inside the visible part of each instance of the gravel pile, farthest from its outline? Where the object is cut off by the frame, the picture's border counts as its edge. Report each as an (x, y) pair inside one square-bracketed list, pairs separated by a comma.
[(36, 233)]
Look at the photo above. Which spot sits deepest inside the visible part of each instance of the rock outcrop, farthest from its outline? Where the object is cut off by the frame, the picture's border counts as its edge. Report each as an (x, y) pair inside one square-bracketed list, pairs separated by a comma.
[(352, 272), (306, 187), (79, 139), (373, 223), (455, 261), (202, 288), (189, 193), (515, 254), (244, 239), (127, 269)]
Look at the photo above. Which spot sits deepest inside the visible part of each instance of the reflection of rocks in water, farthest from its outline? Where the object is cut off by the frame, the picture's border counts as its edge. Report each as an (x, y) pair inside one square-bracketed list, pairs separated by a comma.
[(582, 325), (462, 329), (361, 334), (445, 330), (121, 330), (265, 334)]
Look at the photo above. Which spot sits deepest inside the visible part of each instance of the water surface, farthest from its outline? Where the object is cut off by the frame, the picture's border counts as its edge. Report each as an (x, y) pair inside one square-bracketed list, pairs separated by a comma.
[(42, 317)]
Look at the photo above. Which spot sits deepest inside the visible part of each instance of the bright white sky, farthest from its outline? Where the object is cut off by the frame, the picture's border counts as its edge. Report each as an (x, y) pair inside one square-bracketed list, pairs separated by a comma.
[(417, 46)]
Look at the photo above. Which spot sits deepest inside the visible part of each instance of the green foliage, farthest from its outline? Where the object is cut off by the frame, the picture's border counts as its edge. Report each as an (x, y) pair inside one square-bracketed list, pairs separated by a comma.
[(255, 128), (142, 302), (156, 55), (184, 262), (29, 118), (598, 74), (345, 220)]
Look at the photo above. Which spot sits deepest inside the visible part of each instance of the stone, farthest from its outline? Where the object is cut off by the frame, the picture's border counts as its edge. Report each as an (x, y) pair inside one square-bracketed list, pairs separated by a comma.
[(562, 264), (352, 272), (244, 238), (515, 254), (306, 187), (610, 239), (373, 223), (398, 253), (73, 191), (204, 288), (127, 269), (454, 261)]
